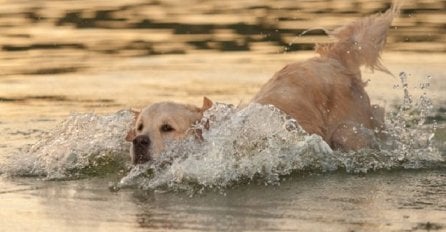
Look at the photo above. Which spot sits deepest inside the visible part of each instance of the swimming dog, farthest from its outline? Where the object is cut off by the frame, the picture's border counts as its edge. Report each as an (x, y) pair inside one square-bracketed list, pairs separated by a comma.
[(325, 94)]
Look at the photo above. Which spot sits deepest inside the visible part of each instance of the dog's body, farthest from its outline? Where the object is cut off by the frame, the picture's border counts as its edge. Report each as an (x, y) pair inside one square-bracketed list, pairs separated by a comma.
[(321, 103), (324, 94), (326, 99)]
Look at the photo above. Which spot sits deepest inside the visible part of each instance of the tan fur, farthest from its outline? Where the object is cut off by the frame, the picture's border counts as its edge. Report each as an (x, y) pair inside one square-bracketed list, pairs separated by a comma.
[(324, 94), (320, 93), (178, 116)]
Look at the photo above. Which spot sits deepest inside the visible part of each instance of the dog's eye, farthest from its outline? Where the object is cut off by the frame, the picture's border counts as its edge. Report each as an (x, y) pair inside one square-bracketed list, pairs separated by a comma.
[(140, 127), (166, 128)]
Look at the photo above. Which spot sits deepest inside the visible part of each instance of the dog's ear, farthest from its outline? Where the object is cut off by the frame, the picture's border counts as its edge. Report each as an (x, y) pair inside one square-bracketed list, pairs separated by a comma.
[(131, 134), (207, 103)]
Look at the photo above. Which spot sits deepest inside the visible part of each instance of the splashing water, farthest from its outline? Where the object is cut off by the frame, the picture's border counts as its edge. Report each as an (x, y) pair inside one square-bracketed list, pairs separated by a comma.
[(81, 144), (410, 137), (256, 142), (261, 142), (240, 145)]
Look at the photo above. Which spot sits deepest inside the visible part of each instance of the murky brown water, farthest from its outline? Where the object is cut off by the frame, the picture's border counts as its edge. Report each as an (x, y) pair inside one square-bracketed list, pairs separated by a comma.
[(59, 57)]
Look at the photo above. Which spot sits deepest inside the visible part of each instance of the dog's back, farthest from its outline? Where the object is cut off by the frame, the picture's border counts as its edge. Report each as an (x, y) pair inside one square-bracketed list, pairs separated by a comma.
[(326, 94)]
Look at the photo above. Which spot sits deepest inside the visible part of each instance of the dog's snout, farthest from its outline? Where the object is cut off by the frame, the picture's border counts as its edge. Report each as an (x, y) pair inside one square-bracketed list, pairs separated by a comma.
[(141, 140), (141, 145)]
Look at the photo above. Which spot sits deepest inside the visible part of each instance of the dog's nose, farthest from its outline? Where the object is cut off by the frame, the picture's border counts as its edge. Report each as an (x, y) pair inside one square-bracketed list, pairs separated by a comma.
[(141, 140), (141, 144)]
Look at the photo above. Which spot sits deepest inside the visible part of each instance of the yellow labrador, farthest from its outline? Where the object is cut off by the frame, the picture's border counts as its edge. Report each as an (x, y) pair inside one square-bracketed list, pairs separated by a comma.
[(324, 94), (158, 123)]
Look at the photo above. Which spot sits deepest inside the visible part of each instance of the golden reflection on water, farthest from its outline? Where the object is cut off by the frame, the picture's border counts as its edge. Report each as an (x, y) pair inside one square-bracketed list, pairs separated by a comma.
[(50, 37)]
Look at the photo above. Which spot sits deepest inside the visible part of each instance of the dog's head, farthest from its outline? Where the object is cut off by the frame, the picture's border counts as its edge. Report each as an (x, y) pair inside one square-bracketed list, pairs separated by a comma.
[(159, 123)]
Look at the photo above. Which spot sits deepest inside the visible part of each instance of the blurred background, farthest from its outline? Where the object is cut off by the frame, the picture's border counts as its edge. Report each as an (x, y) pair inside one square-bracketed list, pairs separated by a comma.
[(65, 36)]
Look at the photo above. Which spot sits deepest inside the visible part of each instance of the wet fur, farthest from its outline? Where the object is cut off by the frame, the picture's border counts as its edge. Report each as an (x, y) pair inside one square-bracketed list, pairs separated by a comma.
[(325, 94)]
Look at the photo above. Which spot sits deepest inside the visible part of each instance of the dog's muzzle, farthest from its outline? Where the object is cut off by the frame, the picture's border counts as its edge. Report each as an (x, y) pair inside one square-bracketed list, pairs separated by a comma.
[(141, 147)]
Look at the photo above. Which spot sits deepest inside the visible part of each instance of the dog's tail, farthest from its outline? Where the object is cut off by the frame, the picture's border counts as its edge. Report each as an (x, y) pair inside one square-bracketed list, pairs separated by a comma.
[(361, 42)]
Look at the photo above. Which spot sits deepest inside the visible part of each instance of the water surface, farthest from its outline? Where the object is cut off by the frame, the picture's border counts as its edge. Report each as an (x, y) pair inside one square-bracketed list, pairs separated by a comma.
[(95, 57)]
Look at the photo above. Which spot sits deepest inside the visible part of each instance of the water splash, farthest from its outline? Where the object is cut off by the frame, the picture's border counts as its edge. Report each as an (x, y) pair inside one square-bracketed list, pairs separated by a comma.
[(261, 142), (239, 146), (253, 143), (83, 144), (410, 138)]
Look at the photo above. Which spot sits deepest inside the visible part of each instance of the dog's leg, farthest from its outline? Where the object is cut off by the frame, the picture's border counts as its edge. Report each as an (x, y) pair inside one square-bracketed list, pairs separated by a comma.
[(351, 136)]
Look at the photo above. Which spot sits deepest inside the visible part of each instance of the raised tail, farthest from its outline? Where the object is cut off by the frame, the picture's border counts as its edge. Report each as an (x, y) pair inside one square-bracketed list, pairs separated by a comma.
[(360, 43)]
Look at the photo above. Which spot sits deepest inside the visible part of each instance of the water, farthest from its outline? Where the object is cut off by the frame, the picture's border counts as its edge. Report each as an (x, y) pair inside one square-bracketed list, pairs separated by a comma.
[(80, 144), (238, 147), (70, 73), (246, 175)]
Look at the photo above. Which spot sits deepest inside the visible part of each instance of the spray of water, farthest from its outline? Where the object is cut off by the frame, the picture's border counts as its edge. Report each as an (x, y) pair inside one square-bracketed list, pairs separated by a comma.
[(83, 144), (256, 142)]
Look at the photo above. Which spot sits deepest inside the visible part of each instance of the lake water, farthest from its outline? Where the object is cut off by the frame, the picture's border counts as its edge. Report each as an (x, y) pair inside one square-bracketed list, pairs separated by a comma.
[(95, 59)]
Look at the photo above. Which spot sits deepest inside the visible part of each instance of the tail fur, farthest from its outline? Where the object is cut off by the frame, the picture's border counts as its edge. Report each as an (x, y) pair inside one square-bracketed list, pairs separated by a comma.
[(360, 43)]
